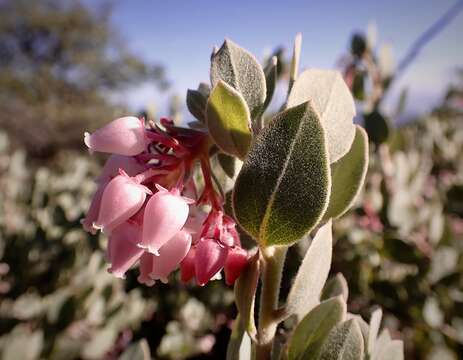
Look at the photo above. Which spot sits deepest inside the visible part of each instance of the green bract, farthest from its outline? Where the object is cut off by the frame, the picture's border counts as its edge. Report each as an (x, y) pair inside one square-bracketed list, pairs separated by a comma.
[(228, 120), (283, 188)]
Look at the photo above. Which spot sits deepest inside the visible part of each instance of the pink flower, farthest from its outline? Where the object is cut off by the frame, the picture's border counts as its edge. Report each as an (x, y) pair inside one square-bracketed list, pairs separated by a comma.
[(121, 199), (146, 268), (115, 162), (123, 136), (165, 214), (237, 260), (92, 213), (170, 256), (187, 266), (210, 259), (123, 251), (194, 223)]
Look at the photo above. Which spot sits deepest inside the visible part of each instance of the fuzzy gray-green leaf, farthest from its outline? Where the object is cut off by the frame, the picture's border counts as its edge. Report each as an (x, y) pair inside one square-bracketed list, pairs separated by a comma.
[(138, 351), (336, 286), (309, 334), (228, 120), (312, 274), (196, 102), (348, 175), (283, 187), (333, 101), (345, 342), (270, 80), (240, 69)]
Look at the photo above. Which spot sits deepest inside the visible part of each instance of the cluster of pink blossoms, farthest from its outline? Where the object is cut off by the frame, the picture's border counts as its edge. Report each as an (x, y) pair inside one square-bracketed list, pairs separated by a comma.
[(148, 204)]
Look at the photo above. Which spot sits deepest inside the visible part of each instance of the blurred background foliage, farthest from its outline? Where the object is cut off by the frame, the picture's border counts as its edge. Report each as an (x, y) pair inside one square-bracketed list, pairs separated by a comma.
[(401, 247)]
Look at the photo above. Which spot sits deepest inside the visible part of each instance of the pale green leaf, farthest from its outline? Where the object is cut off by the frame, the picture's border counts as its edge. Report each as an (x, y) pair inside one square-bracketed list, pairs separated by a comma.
[(312, 274), (375, 322), (333, 101), (228, 120), (138, 351), (283, 187), (336, 286), (240, 69), (310, 333), (343, 343), (348, 175), (270, 80)]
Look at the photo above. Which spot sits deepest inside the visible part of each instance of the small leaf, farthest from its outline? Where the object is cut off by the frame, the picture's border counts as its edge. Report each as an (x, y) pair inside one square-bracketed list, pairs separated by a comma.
[(348, 175), (333, 101), (312, 274), (335, 287), (271, 77), (227, 163), (138, 351), (375, 322), (196, 102), (245, 292), (309, 334), (376, 126), (344, 343), (240, 69), (228, 120), (283, 187), (294, 68)]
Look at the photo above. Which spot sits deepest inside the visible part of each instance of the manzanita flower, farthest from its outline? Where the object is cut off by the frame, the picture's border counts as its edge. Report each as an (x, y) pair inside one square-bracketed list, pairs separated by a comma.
[(165, 214), (170, 256), (122, 198), (187, 266), (92, 213), (115, 162), (237, 260), (146, 268), (209, 260), (123, 136), (123, 251)]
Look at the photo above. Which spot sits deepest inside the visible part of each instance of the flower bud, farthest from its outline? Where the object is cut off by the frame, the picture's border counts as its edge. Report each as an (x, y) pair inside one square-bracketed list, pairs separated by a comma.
[(92, 213), (237, 260), (170, 256), (121, 199), (123, 251), (123, 136), (115, 162), (187, 266), (165, 214), (210, 259), (146, 268)]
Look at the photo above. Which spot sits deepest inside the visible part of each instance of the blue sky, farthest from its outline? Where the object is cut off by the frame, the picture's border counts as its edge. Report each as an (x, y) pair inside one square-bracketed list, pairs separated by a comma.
[(181, 33)]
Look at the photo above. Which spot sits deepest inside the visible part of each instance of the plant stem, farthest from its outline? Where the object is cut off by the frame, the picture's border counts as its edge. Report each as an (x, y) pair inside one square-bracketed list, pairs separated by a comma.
[(273, 260)]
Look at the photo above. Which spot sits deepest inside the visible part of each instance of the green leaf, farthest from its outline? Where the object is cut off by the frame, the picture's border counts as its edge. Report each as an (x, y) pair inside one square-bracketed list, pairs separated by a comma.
[(196, 101), (393, 350), (336, 286), (376, 126), (294, 67), (100, 343), (333, 101), (345, 342), (348, 175), (227, 163), (228, 120), (271, 78), (312, 274), (138, 351), (240, 69), (283, 187), (310, 333)]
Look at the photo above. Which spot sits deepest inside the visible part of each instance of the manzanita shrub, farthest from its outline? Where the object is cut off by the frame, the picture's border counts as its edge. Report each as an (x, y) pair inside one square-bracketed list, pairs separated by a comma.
[(162, 206)]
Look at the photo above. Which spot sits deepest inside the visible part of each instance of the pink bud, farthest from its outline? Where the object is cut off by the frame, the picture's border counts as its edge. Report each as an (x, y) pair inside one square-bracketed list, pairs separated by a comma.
[(115, 162), (170, 256), (121, 199), (146, 268), (237, 260), (210, 259), (124, 136), (123, 251), (187, 266), (165, 215), (92, 213), (194, 223)]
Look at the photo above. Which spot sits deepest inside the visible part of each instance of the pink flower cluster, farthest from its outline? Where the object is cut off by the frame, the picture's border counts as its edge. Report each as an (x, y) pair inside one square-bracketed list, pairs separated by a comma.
[(147, 203)]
